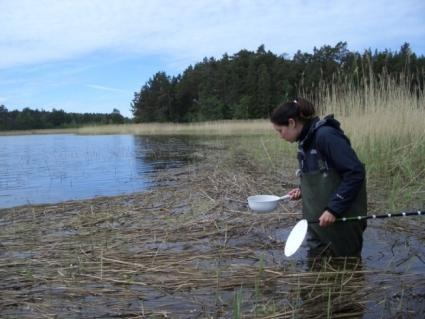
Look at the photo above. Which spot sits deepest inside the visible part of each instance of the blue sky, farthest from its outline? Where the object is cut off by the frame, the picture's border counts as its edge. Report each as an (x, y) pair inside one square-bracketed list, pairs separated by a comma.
[(92, 55)]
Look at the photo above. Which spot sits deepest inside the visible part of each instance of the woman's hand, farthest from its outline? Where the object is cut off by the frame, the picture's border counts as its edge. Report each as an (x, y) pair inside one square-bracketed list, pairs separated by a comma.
[(295, 193), (326, 219)]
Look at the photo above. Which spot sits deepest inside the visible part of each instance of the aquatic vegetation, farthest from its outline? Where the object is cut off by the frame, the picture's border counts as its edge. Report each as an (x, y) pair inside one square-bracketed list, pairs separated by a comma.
[(191, 248)]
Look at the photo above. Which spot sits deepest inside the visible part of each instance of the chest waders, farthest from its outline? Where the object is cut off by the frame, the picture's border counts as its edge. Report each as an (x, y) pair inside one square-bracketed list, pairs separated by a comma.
[(338, 239)]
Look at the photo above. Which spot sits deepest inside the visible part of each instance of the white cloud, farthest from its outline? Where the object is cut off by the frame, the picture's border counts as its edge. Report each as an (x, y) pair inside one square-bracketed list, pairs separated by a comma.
[(49, 30), (106, 88)]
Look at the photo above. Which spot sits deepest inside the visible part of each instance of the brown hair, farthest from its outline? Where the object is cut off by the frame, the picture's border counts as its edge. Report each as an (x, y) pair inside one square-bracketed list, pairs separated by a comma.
[(299, 109)]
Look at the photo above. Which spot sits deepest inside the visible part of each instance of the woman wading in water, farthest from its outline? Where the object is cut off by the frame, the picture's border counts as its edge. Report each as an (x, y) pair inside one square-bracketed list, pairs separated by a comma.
[(333, 182)]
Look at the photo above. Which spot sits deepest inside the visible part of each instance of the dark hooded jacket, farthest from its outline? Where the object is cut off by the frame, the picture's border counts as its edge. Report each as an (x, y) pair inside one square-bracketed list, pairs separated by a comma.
[(323, 145)]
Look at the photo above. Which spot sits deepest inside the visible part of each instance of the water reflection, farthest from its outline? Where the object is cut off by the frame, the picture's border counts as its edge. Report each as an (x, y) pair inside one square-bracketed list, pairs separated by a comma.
[(52, 168), (162, 152)]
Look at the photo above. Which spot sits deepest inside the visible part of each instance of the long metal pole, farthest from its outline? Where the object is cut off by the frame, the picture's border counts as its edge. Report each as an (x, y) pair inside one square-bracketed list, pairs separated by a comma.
[(389, 215)]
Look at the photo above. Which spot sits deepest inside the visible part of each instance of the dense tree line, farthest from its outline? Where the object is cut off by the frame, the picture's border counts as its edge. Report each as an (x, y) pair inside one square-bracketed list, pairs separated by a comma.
[(36, 119), (250, 84)]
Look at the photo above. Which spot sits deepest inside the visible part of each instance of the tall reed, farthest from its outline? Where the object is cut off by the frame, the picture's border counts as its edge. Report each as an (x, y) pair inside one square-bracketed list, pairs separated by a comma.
[(224, 127), (384, 116)]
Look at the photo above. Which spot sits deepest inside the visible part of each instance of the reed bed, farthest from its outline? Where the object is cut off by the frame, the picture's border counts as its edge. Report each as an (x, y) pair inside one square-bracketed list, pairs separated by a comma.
[(224, 127), (384, 117), (189, 248)]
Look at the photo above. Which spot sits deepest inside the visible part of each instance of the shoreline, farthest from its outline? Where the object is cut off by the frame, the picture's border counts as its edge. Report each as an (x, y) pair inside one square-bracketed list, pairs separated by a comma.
[(221, 127)]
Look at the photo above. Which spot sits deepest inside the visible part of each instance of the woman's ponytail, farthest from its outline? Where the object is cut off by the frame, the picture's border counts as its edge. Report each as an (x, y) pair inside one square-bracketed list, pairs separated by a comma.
[(306, 109)]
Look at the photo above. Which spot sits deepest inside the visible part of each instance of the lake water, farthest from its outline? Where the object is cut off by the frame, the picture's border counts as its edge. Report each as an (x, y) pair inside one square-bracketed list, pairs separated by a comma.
[(39, 169)]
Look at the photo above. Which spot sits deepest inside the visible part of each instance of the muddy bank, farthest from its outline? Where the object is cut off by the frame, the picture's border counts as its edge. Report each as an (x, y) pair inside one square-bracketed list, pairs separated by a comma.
[(191, 248)]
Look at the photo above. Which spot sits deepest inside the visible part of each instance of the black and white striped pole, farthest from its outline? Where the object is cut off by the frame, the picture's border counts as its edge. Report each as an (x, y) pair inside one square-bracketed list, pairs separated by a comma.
[(298, 233)]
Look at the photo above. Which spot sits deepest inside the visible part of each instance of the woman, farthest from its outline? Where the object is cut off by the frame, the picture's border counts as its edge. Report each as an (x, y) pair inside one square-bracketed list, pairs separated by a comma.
[(333, 182)]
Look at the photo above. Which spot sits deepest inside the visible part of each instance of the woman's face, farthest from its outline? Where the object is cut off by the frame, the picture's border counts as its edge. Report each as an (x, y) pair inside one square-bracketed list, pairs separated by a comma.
[(289, 132)]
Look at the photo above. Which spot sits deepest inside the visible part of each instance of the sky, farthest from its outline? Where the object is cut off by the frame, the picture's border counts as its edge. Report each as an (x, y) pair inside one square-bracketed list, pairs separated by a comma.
[(93, 55)]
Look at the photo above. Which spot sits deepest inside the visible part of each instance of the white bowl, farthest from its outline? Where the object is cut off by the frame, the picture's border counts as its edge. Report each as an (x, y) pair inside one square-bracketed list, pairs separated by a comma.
[(263, 203)]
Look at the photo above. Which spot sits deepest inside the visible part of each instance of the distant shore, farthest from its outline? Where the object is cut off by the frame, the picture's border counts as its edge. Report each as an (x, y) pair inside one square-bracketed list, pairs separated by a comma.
[(216, 127), (41, 131)]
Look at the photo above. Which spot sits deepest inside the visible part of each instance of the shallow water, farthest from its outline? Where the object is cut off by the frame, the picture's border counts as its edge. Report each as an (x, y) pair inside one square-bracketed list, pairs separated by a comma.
[(39, 169)]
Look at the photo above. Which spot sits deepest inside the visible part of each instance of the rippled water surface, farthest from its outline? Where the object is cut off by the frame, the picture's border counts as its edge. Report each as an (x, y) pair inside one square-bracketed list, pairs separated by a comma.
[(52, 168)]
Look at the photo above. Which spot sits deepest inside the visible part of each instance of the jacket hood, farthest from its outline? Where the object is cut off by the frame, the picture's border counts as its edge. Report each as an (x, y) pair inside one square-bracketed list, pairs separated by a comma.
[(317, 123)]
